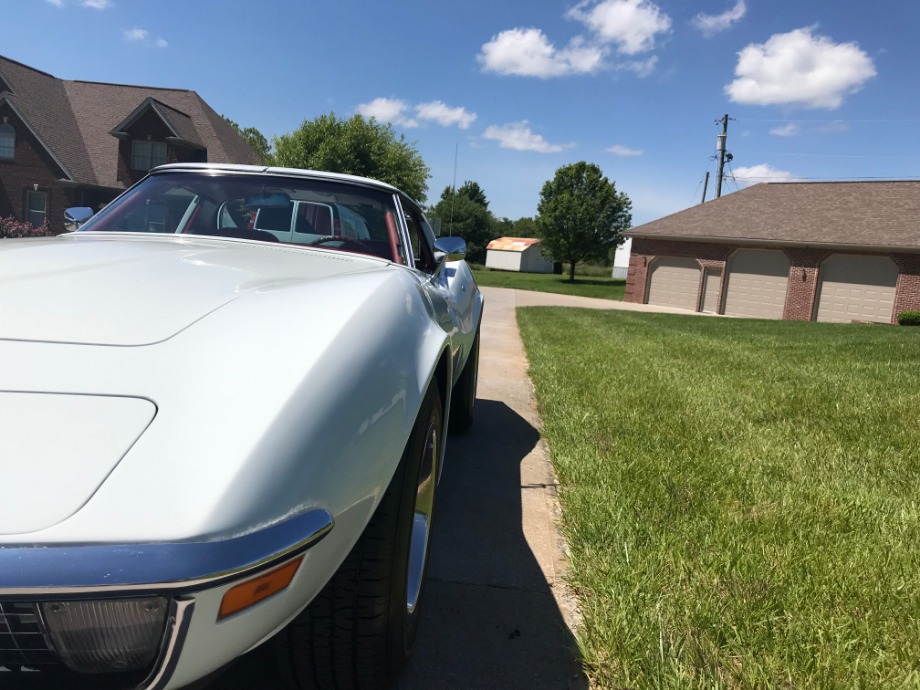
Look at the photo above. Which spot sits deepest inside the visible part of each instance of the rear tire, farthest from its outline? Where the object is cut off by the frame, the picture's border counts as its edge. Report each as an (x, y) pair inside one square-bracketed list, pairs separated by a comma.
[(463, 400), (360, 629)]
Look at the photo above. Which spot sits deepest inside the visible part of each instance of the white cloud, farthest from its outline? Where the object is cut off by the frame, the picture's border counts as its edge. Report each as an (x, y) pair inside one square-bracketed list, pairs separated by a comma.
[(628, 26), (98, 4), (711, 24), (398, 112), (444, 115), (391, 110), (620, 150), (529, 53), (788, 130), (631, 24), (754, 174), (799, 68), (518, 136), (56, 3), (143, 36)]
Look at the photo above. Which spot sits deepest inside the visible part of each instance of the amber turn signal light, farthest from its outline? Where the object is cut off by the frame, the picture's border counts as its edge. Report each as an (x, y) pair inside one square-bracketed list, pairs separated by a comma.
[(253, 591)]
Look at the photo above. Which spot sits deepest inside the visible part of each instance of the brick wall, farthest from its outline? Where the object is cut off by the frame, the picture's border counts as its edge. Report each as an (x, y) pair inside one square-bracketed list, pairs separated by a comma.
[(907, 297), (31, 165), (803, 282), (804, 267)]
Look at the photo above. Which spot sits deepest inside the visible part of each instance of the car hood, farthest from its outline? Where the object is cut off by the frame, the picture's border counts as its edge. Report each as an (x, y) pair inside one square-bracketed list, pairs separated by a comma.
[(130, 290), (88, 432)]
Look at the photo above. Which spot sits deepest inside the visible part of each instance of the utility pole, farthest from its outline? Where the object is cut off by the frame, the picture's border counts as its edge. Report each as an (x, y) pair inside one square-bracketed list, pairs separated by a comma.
[(705, 187), (720, 147)]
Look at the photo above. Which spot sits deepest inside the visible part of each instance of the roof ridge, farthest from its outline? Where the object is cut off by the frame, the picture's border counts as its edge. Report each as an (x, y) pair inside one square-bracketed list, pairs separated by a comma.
[(128, 86), (28, 67)]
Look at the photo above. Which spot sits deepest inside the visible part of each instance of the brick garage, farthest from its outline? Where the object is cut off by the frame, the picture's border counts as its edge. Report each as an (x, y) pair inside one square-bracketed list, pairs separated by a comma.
[(798, 251)]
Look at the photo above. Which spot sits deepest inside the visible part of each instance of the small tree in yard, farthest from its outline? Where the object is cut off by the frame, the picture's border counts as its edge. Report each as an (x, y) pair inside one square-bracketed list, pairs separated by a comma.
[(465, 212), (581, 215), (355, 146)]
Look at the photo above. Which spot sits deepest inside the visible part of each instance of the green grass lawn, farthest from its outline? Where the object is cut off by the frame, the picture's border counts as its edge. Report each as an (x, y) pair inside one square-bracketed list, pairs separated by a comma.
[(741, 498), (599, 286)]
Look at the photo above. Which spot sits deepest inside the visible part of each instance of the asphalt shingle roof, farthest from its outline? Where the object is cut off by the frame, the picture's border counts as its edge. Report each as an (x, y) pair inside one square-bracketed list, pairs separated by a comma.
[(877, 214), (56, 109)]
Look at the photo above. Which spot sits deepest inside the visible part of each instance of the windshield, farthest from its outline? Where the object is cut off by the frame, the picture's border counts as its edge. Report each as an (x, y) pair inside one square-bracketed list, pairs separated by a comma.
[(334, 215)]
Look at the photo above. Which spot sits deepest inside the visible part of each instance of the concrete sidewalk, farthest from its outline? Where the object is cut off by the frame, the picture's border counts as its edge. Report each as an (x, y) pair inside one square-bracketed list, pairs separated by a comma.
[(499, 614)]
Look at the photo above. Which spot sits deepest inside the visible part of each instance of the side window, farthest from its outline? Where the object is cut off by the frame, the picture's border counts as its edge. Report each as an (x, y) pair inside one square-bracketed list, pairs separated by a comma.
[(146, 155), (421, 248), (7, 141), (36, 208)]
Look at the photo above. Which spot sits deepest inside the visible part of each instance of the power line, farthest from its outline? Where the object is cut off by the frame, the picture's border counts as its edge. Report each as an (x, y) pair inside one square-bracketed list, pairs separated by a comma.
[(798, 178), (840, 120), (827, 155)]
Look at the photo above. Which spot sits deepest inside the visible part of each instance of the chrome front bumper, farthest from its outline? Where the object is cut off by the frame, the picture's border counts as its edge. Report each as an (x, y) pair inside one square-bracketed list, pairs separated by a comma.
[(50, 572)]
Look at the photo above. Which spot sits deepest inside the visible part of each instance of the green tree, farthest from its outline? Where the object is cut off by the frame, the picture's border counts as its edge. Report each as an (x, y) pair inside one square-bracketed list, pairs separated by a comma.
[(358, 147), (525, 227), (581, 215), (465, 212), (256, 140)]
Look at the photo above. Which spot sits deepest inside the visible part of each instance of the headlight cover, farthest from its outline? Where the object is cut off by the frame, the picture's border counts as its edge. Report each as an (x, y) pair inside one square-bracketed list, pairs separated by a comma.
[(106, 636)]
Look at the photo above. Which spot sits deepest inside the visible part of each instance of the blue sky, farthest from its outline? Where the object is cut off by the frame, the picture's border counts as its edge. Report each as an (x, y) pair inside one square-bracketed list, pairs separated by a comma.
[(817, 89)]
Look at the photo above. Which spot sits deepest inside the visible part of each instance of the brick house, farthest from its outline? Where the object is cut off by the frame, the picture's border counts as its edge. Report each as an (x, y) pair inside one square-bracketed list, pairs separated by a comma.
[(77, 143), (801, 251)]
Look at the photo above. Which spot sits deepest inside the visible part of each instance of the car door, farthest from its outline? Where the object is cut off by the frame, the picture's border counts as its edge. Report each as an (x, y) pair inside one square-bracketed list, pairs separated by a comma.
[(452, 290)]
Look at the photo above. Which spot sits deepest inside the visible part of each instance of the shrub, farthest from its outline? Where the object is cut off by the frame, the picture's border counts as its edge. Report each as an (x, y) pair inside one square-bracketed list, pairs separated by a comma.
[(909, 318), (10, 227)]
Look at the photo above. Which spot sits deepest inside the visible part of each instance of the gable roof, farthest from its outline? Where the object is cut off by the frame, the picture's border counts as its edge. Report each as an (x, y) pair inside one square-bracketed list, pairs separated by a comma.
[(512, 244), (40, 101), (875, 214), (55, 109), (180, 125)]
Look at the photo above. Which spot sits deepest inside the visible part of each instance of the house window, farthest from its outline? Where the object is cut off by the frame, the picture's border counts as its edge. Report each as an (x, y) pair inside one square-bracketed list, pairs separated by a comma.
[(36, 205), (147, 154), (7, 141)]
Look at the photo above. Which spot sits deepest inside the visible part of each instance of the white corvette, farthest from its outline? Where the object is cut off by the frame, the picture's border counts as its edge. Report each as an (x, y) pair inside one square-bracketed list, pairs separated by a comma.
[(223, 406)]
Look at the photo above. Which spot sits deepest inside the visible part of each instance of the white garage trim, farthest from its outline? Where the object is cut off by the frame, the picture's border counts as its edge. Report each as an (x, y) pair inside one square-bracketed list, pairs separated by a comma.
[(674, 282), (712, 282), (756, 282), (856, 288)]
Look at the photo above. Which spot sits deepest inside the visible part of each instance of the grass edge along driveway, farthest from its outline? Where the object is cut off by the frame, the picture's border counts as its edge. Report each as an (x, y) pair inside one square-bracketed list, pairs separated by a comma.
[(596, 286), (740, 497)]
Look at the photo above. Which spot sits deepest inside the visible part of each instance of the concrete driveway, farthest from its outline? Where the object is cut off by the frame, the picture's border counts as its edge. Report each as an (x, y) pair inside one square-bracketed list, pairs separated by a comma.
[(498, 613)]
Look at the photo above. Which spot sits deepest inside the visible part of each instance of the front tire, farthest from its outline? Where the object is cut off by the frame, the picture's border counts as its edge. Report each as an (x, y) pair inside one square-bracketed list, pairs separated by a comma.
[(360, 629)]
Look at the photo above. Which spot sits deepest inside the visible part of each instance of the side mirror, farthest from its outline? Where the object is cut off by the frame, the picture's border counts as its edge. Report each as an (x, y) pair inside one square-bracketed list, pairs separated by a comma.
[(449, 248), (76, 216)]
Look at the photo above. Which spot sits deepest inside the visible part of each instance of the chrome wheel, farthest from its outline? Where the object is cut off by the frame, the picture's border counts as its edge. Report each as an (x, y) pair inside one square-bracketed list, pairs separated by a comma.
[(421, 518)]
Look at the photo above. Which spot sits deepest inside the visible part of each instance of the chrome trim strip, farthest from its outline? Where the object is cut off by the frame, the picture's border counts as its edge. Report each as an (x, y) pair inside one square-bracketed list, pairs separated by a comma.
[(62, 570), (178, 623)]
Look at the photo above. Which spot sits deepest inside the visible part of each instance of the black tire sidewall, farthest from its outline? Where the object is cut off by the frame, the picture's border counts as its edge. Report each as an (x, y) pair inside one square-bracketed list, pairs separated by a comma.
[(403, 627)]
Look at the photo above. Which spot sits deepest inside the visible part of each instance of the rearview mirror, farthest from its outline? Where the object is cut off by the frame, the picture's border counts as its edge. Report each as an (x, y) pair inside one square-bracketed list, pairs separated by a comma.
[(268, 200)]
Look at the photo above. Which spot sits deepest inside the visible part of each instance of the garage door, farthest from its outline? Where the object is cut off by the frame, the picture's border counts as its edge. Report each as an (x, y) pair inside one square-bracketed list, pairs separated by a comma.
[(856, 288), (674, 282), (756, 284)]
